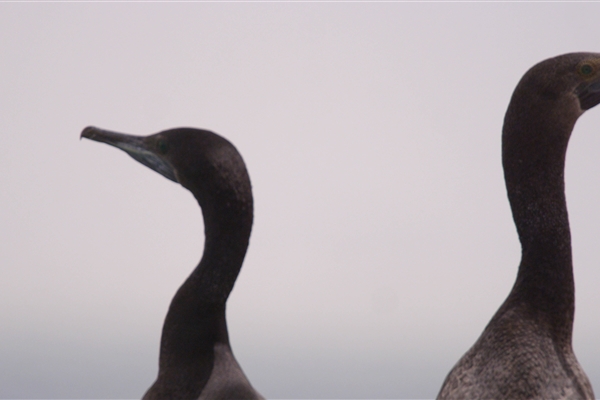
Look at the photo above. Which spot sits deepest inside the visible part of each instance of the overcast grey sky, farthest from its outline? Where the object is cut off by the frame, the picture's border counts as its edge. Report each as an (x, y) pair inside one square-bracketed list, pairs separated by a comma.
[(383, 241)]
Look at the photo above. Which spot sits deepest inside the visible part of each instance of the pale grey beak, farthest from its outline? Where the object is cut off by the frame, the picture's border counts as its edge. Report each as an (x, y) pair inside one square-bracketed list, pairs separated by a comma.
[(135, 146)]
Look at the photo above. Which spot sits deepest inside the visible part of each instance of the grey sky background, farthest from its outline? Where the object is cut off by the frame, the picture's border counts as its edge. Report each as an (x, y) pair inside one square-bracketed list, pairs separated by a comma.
[(383, 241)]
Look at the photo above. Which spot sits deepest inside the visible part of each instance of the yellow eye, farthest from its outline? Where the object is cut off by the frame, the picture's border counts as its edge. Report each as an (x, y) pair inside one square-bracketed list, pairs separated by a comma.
[(586, 69)]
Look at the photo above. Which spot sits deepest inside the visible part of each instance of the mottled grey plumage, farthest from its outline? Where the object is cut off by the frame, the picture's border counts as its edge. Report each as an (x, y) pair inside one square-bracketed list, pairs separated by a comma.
[(525, 351), (196, 361)]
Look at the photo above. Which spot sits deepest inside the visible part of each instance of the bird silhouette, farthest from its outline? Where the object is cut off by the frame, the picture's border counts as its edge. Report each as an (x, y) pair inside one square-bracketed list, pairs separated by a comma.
[(196, 360), (525, 351)]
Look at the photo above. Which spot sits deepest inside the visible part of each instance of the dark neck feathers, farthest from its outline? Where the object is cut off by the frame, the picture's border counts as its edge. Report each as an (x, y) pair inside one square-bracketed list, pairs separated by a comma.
[(196, 318), (534, 143)]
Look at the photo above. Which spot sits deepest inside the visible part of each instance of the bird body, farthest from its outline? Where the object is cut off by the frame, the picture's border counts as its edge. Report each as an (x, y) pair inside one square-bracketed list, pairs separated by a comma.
[(525, 352), (196, 360)]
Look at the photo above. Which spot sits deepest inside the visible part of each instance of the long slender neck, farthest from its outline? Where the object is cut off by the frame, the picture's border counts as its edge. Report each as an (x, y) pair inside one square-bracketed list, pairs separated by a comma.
[(535, 139), (227, 227), (196, 318)]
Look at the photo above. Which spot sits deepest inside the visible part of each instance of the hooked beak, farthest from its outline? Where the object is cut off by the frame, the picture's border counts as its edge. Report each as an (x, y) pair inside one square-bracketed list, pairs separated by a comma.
[(136, 146), (589, 95)]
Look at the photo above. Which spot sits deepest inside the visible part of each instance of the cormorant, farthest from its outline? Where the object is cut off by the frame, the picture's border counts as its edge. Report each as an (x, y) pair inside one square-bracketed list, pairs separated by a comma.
[(196, 360), (525, 351)]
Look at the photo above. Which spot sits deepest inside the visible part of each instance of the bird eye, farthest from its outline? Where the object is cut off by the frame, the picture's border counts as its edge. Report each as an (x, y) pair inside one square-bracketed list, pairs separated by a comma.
[(162, 146), (586, 69)]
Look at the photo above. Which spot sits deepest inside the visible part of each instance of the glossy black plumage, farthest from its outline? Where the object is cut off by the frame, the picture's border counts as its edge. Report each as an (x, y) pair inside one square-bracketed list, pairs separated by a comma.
[(196, 360), (525, 351)]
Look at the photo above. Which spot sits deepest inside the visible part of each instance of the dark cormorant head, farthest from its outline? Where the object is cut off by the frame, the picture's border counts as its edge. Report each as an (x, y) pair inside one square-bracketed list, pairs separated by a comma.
[(546, 104), (568, 76), (203, 162)]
